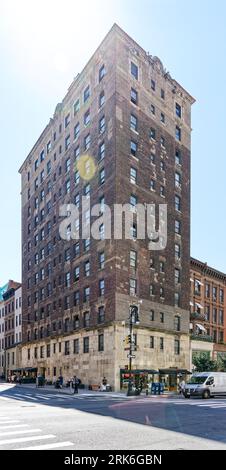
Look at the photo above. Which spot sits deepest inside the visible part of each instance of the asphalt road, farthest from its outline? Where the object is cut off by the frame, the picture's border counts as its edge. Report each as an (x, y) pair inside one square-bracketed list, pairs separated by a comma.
[(46, 419)]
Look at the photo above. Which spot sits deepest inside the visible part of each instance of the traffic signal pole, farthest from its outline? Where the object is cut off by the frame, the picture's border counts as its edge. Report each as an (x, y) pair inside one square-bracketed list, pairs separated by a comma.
[(133, 319)]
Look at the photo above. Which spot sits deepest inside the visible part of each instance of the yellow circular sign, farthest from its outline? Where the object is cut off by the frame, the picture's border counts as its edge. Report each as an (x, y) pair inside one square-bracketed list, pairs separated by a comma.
[(86, 167)]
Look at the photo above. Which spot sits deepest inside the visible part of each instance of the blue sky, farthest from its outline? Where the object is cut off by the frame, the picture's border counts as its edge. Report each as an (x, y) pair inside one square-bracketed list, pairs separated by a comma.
[(44, 44)]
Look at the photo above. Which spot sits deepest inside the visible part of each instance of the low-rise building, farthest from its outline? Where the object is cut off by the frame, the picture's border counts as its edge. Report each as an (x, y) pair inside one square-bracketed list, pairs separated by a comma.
[(207, 311)]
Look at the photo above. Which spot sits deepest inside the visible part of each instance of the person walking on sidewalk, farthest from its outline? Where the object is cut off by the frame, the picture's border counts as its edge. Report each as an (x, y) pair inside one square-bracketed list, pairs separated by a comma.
[(76, 383)]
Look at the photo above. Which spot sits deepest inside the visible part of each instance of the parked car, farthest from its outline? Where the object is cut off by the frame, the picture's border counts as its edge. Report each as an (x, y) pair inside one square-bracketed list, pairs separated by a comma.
[(206, 385)]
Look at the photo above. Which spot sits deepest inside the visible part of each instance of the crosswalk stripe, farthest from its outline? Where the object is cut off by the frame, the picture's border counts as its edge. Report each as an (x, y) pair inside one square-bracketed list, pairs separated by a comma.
[(42, 397), (15, 433), (14, 426), (55, 445), (11, 421), (26, 439)]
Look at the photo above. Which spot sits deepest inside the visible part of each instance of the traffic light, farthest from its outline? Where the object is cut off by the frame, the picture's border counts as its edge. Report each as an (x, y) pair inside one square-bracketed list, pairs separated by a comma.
[(128, 339), (134, 312)]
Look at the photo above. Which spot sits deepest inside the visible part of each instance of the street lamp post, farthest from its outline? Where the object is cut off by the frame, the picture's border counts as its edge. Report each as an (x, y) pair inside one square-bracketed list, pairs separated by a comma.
[(133, 319)]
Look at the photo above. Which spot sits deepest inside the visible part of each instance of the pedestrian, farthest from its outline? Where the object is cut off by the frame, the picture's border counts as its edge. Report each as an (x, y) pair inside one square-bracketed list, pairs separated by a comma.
[(181, 386), (76, 383), (61, 381)]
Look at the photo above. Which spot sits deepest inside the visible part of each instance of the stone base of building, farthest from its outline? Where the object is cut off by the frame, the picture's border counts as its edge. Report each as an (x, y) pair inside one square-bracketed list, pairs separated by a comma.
[(63, 358)]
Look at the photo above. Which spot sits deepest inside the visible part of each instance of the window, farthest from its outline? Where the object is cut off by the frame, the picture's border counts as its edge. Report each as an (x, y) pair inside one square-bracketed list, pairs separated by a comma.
[(42, 155), (162, 319), (178, 157), (133, 201), (177, 251), (221, 317), (102, 176), (133, 231), (161, 343), (67, 279), (48, 147), (42, 352), (86, 244), (101, 99), (76, 298), (152, 185), (221, 336), (86, 190), (87, 118), (101, 342), (152, 342), (101, 260), (177, 323), (134, 70), (132, 287), (177, 203), (152, 134), (161, 266), (66, 302), (177, 275), (101, 232), (133, 175), (102, 125), (214, 315), (77, 177), (86, 319), (162, 94), (87, 268), (177, 228), (133, 259), (162, 293), (67, 186), (221, 296), (152, 315), (76, 249), (76, 346), (152, 290), (162, 191), (102, 72), (76, 107), (86, 294), (101, 287), (152, 158), (162, 118), (133, 148), (152, 109), (67, 348), (133, 96), (76, 322), (153, 84), (76, 131), (177, 346), (214, 293), (76, 274), (176, 299), (86, 94), (87, 141), (101, 314), (101, 151), (77, 200), (177, 180), (36, 164), (67, 142), (86, 344), (133, 123), (67, 120), (178, 133), (178, 110)]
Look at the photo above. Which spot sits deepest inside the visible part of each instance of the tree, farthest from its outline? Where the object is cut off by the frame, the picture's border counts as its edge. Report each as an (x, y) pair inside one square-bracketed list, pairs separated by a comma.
[(203, 363)]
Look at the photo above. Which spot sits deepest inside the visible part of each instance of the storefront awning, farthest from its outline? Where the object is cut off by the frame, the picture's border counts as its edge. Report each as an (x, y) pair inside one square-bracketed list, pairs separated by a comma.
[(174, 371), (139, 371)]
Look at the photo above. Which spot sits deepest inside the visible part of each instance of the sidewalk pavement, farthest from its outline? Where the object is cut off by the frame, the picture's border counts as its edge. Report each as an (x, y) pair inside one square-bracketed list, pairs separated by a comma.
[(68, 391)]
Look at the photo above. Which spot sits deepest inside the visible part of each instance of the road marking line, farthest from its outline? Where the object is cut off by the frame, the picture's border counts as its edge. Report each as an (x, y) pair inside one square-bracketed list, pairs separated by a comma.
[(49, 446), (10, 421), (42, 397), (25, 439), (14, 426), (15, 433)]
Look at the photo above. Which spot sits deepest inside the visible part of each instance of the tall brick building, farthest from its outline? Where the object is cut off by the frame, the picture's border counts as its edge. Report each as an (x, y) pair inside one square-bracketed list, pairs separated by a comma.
[(208, 311), (133, 118)]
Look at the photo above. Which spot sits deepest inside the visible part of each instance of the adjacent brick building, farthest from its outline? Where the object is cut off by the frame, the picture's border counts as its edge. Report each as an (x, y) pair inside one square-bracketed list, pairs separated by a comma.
[(208, 310), (12, 328), (133, 118)]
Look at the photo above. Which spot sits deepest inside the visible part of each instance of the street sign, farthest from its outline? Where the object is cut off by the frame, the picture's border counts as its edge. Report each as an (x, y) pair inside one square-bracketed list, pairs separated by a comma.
[(132, 356)]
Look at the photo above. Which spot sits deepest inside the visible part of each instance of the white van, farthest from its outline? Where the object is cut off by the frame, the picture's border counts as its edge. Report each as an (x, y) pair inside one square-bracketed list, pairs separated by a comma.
[(206, 385)]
